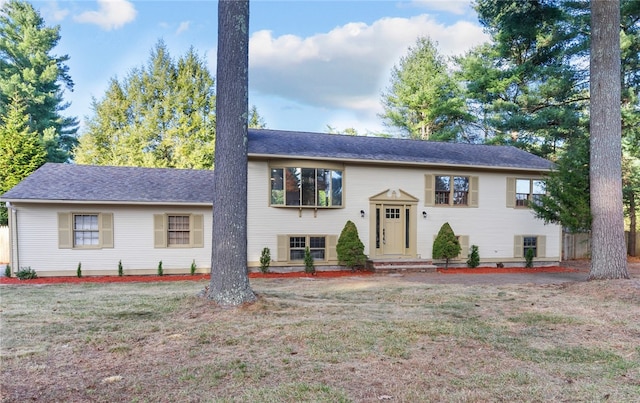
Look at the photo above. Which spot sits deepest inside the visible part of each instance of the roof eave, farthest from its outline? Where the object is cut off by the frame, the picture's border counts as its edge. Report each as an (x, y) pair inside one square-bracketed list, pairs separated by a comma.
[(118, 202)]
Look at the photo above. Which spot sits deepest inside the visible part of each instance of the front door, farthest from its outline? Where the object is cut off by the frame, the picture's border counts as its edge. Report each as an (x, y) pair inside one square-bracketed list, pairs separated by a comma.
[(392, 230)]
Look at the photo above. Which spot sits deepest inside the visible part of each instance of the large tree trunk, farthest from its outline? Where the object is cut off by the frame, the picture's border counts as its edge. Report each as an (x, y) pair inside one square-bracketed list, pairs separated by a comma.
[(229, 278), (608, 254)]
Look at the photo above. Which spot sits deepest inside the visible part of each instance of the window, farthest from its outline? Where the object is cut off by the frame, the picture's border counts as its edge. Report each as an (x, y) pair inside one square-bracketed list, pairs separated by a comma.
[(451, 190), (291, 248), (522, 243), (522, 192), (178, 230), (85, 230), (306, 187), (530, 242), (298, 245)]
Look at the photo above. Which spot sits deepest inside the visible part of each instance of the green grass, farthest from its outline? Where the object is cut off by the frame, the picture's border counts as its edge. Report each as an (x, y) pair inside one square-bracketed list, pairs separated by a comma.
[(328, 340)]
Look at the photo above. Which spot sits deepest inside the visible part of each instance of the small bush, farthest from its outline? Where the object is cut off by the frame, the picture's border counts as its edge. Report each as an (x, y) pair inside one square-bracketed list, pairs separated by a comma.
[(120, 270), (350, 248), (7, 271), (160, 272), (265, 260), (79, 270), (474, 257), (193, 267), (26, 273), (308, 262), (446, 245), (528, 258)]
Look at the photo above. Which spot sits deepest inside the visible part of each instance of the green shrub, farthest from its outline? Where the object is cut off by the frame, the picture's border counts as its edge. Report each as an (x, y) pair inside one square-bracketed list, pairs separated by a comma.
[(120, 270), (446, 245), (265, 260), (474, 257), (160, 272), (528, 258), (349, 248), (26, 273), (308, 262), (79, 270), (193, 267), (7, 271)]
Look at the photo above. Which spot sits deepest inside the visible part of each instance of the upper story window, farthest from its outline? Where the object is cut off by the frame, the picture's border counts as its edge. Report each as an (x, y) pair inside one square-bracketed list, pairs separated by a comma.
[(451, 190), (528, 191), (306, 187)]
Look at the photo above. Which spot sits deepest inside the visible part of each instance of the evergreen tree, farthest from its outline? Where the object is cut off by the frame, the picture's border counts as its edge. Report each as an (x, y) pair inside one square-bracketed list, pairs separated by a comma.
[(350, 248), (161, 115), (423, 100), (29, 72), (21, 154), (446, 245)]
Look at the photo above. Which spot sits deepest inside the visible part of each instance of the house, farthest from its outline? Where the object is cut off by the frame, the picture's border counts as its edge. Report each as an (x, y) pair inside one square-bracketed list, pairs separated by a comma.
[(302, 189)]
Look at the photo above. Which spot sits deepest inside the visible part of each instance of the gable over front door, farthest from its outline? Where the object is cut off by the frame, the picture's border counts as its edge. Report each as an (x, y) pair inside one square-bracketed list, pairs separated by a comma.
[(393, 225)]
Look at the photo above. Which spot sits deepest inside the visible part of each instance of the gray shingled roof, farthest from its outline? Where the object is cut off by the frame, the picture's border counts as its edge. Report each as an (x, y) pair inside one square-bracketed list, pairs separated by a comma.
[(264, 142), (114, 184)]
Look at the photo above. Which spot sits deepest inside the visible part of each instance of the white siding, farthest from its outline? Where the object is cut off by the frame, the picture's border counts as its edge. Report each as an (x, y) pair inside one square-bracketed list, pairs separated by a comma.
[(492, 226), (133, 241)]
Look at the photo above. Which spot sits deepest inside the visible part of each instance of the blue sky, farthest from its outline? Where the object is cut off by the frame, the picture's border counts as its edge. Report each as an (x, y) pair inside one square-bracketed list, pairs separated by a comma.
[(311, 63)]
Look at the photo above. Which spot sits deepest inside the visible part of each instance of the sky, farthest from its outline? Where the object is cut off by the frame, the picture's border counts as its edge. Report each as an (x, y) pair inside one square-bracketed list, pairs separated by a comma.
[(312, 64)]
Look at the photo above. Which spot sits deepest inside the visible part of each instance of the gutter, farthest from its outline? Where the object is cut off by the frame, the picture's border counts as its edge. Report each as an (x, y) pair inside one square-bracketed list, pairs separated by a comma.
[(14, 249)]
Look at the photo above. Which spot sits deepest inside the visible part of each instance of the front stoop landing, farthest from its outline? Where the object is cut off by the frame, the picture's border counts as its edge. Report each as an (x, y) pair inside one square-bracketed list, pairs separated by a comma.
[(401, 266)]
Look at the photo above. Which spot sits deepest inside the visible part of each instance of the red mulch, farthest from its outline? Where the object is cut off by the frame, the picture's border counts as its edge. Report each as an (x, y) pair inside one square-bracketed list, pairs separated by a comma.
[(170, 277)]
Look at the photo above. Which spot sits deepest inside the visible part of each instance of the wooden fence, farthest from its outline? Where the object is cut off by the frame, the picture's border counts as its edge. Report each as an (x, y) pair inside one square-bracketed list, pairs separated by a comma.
[(578, 246)]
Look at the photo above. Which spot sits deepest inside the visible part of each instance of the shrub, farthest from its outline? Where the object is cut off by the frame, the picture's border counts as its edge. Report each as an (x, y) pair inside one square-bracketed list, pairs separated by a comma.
[(308, 262), (528, 258), (446, 245), (79, 270), (265, 260), (7, 271), (192, 268), (120, 270), (26, 273), (160, 272), (474, 257), (349, 248)]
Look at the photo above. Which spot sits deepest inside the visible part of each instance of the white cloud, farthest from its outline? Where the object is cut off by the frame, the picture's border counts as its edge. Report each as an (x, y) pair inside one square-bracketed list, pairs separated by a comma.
[(349, 66), (111, 14), (184, 26)]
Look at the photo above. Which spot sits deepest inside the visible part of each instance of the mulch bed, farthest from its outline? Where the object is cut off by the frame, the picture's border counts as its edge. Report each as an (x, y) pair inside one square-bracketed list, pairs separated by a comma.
[(171, 277), (319, 274)]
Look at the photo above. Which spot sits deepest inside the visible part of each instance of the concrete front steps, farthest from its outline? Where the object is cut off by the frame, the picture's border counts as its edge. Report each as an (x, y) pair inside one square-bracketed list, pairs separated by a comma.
[(401, 266)]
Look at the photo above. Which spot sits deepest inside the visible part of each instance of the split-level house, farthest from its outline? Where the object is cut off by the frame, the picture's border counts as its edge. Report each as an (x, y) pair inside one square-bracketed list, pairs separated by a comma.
[(302, 189)]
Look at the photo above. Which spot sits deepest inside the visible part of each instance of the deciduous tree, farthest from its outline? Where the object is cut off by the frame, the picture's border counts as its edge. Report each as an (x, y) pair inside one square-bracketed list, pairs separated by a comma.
[(229, 284)]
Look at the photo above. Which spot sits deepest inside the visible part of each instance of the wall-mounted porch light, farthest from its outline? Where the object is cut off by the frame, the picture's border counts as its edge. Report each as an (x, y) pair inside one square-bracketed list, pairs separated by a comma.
[(362, 213), (424, 214)]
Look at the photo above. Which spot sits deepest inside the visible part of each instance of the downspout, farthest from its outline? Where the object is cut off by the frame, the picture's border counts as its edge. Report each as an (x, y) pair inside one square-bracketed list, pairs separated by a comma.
[(14, 255)]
